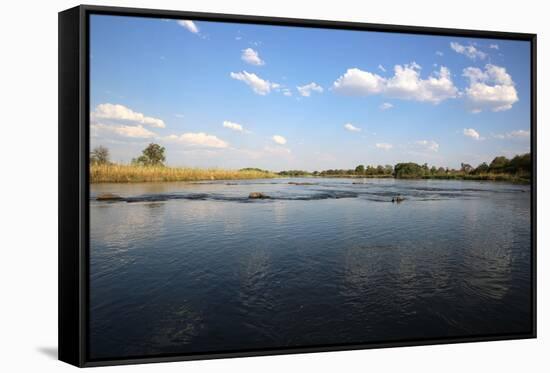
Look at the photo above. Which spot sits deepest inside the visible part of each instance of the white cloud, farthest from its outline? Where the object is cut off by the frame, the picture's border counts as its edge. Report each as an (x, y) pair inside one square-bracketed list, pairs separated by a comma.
[(382, 68), (405, 84), (428, 144), (439, 53), (472, 133), (233, 126), (200, 139), (252, 57), (386, 106), (138, 131), (121, 113), (305, 90), (278, 139), (359, 82), (384, 146), (350, 127), (494, 46), (189, 25), (468, 50), (286, 92), (519, 134), (490, 89), (258, 85)]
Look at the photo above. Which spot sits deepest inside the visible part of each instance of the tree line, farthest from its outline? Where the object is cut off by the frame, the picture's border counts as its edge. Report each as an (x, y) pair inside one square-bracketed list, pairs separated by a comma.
[(520, 165), (152, 155)]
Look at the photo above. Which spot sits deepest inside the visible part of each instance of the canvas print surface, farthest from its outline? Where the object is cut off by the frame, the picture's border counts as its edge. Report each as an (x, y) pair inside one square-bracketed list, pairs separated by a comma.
[(263, 187)]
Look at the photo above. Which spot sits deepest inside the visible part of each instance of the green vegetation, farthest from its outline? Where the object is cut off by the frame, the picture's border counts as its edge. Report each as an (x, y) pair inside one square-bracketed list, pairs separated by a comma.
[(359, 171), (517, 169), (149, 166), (254, 169), (294, 173), (152, 155), (116, 173)]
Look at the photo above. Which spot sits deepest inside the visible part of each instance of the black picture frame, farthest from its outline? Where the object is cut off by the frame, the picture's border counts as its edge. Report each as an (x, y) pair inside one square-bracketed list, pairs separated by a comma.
[(73, 249)]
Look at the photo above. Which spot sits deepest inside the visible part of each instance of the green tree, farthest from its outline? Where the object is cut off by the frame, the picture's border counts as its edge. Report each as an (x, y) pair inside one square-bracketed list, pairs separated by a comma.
[(499, 164), (482, 169), (152, 155), (520, 164), (360, 170), (466, 168), (100, 155), (408, 170)]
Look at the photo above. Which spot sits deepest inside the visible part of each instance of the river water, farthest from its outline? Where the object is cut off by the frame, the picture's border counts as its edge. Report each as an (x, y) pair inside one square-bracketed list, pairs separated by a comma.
[(199, 267)]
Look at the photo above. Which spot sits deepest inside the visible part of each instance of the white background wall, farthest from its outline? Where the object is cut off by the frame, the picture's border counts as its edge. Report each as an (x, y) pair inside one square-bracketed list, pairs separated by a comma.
[(28, 184)]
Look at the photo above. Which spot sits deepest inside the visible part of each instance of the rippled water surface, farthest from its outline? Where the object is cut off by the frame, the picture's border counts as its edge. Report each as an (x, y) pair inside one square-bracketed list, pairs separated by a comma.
[(196, 267)]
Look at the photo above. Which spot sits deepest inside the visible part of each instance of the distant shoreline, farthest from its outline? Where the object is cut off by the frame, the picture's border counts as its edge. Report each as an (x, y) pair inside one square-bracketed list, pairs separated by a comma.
[(113, 173)]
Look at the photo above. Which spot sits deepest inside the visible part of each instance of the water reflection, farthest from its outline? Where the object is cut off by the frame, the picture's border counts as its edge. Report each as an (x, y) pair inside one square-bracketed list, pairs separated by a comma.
[(222, 272)]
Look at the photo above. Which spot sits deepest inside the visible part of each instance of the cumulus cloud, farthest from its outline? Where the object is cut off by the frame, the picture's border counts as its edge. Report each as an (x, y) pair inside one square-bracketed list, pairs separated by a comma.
[(490, 89), (199, 139), (350, 127), (278, 139), (121, 113), (305, 90), (468, 50), (384, 146), (519, 134), (494, 46), (233, 126), (428, 145), (252, 57), (382, 68), (405, 84), (139, 132), (359, 82), (472, 133), (189, 25), (386, 106), (258, 85)]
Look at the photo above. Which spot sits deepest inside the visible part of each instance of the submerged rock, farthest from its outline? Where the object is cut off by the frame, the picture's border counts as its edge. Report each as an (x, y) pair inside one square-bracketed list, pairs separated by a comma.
[(257, 195), (398, 199), (108, 197)]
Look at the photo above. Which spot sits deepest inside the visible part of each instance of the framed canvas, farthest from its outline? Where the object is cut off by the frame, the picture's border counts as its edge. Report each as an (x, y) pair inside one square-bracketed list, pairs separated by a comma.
[(235, 186)]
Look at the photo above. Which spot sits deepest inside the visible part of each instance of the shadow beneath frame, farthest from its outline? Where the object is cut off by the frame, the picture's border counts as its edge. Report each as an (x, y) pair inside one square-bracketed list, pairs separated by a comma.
[(50, 352)]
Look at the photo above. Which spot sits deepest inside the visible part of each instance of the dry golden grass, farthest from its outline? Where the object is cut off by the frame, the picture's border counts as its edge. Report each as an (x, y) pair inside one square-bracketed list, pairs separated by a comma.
[(114, 173)]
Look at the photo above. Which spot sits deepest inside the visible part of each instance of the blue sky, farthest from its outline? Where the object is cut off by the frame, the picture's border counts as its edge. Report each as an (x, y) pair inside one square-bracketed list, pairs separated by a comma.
[(235, 95)]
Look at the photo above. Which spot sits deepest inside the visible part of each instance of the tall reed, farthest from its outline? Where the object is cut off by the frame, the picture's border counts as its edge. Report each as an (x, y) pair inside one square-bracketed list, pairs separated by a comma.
[(115, 173)]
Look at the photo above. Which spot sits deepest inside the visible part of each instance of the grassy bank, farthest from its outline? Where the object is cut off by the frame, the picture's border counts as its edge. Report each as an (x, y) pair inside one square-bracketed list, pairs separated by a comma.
[(521, 179), (112, 173), (524, 179)]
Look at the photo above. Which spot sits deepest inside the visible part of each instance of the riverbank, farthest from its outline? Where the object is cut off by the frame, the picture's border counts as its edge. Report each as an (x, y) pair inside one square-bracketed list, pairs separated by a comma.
[(479, 177), (134, 174)]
